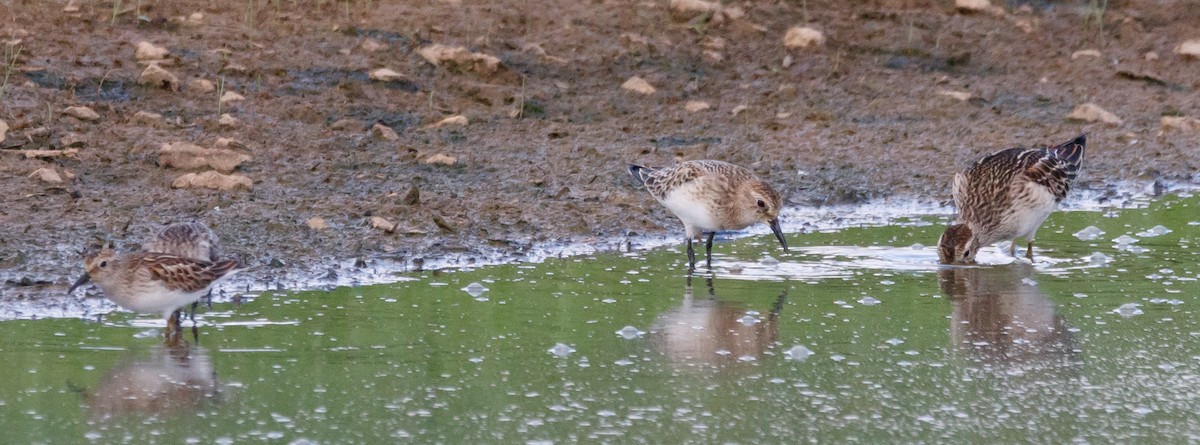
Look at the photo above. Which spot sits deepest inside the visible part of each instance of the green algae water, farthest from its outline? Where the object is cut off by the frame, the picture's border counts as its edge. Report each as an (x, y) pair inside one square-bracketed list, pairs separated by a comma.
[(856, 336)]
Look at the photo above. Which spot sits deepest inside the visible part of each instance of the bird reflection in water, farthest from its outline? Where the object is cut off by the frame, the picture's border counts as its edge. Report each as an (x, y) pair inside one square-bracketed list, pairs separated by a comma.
[(711, 332), (173, 380), (999, 314)]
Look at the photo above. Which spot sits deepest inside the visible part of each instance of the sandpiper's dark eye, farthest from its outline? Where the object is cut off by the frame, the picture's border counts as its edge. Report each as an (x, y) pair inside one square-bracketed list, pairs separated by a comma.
[(762, 204), (103, 263), (966, 253)]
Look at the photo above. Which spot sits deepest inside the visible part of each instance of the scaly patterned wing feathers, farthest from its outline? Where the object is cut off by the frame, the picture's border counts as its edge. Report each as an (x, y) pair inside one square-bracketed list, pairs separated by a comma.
[(188, 275)]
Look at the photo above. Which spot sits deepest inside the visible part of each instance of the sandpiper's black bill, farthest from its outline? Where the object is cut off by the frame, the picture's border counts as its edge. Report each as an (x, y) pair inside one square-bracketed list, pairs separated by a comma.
[(779, 233), (80, 282)]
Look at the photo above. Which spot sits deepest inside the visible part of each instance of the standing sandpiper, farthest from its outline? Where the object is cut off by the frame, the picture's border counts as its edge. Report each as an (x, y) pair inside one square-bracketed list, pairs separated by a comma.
[(152, 282), (1007, 195), (190, 239), (708, 196)]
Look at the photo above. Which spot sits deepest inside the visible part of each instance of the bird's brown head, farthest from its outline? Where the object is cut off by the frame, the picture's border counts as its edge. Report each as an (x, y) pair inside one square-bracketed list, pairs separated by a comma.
[(957, 245), (762, 201), (98, 263)]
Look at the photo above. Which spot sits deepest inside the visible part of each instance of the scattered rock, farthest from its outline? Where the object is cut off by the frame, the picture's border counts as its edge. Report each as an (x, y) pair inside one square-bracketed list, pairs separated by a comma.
[(231, 96), (693, 6), (956, 95), (47, 174), (3, 130), (385, 75), (1150, 56), (1086, 53), (638, 85), (803, 37), (49, 154), (82, 113), (1025, 25), (228, 120), (380, 131), (537, 49), (228, 143), (1090, 112), (978, 6), (441, 159), (371, 45), (316, 223), (1180, 123), (72, 140), (187, 156), (443, 224), (235, 69), (413, 197), (1141, 75), (71, 7), (1189, 49), (348, 124), (156, 76), (201, 86), (148, 118), (193, 20), (212, 180), (738, 109), (149, 51), (693, 106), (382, 223), (689, 9), (458, 120), (459, 58)]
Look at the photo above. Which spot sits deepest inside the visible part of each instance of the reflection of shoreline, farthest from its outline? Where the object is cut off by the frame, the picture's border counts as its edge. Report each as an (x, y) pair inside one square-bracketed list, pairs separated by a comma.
[(712, 332), (1002, 317), (173, 380)]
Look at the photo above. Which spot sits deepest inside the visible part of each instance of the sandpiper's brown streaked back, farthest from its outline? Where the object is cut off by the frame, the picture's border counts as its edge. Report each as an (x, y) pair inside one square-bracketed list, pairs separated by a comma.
[(710, 196), (1007, 195)]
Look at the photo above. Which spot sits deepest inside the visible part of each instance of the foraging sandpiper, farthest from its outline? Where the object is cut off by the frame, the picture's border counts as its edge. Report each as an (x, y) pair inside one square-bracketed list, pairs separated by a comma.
[(1007, 195), (152, 282), (190, 239), (710, 196)]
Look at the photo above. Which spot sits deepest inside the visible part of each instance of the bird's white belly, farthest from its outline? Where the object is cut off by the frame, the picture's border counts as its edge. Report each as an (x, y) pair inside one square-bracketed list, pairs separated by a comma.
[(1028, 214), (692, 209), (154, 299)]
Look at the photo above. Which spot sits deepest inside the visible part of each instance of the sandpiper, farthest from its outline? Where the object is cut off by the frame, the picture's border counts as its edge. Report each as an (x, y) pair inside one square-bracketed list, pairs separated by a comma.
[(190, 239), (1007, 195), (152, 282), (710, 196)]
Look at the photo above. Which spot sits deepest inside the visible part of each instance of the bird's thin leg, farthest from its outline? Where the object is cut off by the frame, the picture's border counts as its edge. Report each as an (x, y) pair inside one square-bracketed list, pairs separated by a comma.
[(173, 324), (691, 256), (192, 314), (195, 334), (708, 249), (1029, 251), (1012, 249)]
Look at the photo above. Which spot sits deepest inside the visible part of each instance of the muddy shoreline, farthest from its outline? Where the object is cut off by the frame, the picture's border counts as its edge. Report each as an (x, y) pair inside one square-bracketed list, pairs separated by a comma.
[(541, 156)]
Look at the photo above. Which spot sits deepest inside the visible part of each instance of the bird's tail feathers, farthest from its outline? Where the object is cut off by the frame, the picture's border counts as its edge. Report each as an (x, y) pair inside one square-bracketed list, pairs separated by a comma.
[(640, 174), (1072, 151)]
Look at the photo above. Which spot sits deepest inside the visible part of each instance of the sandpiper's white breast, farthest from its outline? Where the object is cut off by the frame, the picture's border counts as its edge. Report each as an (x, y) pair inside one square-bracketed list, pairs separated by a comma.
[(153, 298), (1029, 212), (693, 208)]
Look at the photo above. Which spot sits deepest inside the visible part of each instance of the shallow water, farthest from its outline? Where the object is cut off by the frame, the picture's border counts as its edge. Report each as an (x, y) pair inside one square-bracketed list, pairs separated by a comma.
[(856, 336)]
